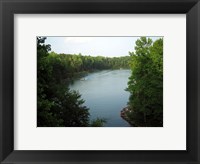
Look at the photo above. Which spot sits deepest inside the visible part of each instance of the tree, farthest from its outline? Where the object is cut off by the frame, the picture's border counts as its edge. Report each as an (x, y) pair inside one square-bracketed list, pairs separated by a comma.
[(56, 104), (146, 83)]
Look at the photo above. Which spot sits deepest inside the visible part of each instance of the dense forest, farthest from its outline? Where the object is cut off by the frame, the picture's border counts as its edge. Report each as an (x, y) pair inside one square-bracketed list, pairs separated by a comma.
[(57, 105), (69, 66), (146, 84)]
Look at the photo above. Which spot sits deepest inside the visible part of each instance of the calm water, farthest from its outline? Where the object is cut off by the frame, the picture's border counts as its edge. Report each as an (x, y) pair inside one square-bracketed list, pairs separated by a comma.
[(104, 94)]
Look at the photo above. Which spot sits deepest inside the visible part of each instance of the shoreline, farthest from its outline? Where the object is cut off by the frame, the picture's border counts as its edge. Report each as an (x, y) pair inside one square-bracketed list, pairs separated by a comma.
[(124, 116)]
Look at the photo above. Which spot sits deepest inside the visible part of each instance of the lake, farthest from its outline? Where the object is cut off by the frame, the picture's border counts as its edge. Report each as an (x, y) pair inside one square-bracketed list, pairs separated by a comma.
[(104, 93)]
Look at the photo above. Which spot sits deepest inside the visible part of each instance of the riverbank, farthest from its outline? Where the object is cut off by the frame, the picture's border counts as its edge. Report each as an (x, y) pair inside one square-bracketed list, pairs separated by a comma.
[(124, 114)]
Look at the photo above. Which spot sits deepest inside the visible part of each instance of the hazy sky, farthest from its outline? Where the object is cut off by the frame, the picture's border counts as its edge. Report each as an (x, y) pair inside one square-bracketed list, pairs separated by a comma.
[(93, 46)]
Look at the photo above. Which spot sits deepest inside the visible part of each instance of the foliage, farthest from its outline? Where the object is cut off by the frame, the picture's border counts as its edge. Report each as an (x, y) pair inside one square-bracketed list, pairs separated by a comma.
[(73, 63), (99, 122), (56, 104), (146, 83)]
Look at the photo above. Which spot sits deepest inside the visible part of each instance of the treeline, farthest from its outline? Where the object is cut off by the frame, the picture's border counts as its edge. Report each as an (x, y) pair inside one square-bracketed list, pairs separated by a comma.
[(69, 64), (57, 105), (146, 84)]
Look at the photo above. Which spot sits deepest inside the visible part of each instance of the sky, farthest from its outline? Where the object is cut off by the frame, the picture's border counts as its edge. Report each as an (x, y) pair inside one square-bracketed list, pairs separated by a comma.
[(94, 46)]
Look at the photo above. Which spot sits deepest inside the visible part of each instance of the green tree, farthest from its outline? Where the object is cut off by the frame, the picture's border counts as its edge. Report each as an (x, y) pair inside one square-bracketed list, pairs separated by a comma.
[(146, 83), (56, 104), (98, 122)]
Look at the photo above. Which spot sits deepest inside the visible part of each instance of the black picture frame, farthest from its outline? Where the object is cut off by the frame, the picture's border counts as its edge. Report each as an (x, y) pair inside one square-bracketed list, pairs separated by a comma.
[(10, 7)]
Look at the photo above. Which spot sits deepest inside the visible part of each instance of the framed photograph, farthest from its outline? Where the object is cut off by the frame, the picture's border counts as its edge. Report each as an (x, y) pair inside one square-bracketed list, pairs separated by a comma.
[(99, 81)]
